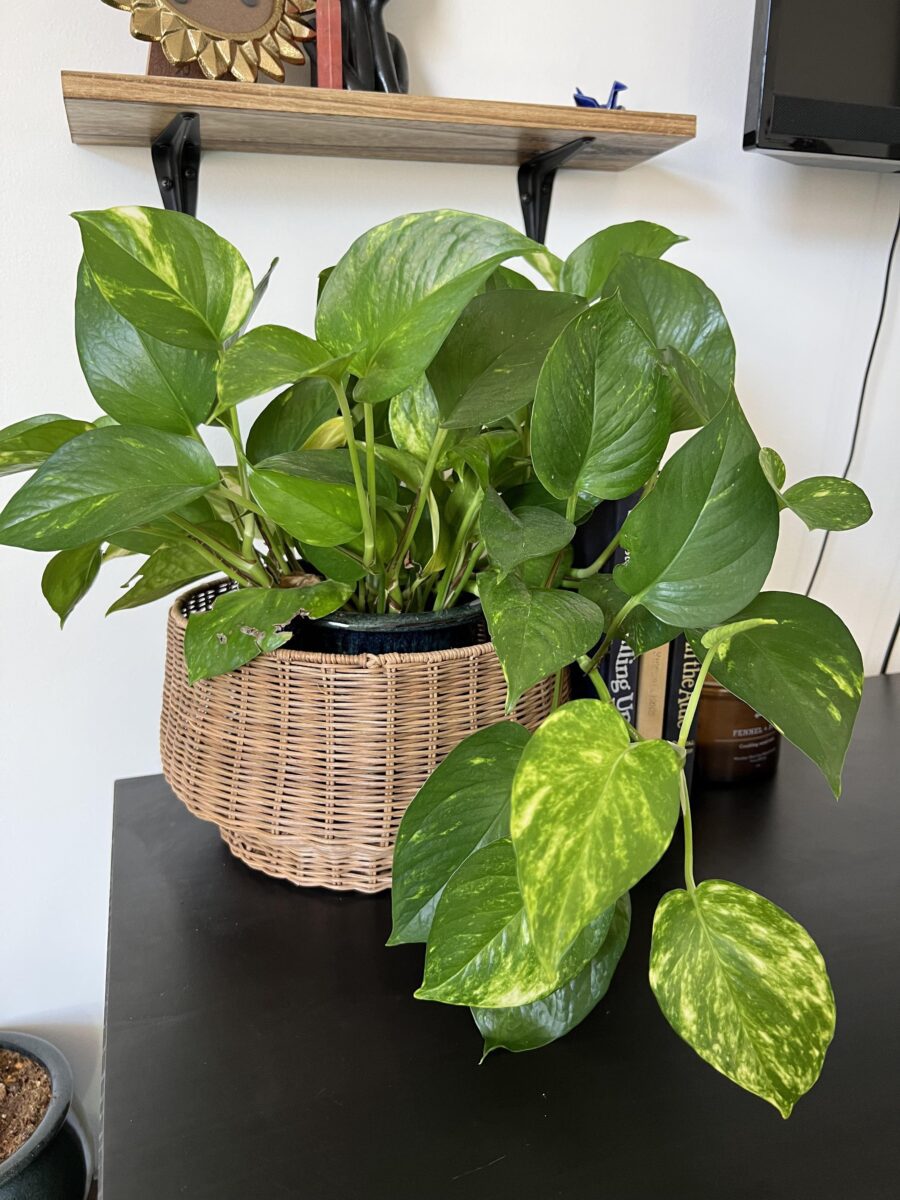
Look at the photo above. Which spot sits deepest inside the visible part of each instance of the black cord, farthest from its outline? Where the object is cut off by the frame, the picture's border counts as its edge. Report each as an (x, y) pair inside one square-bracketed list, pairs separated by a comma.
[(862, 397)]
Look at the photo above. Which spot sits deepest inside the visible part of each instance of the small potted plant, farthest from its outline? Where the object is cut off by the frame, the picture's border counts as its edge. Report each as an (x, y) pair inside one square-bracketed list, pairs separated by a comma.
[(44, 1151), (436, 446)]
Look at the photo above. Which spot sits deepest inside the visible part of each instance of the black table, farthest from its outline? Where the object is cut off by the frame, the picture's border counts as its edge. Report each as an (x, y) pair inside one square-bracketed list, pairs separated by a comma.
[(261, 1042)]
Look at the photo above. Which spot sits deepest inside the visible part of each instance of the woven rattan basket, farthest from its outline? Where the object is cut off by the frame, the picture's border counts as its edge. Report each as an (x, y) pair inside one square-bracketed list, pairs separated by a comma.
[(307, 762)]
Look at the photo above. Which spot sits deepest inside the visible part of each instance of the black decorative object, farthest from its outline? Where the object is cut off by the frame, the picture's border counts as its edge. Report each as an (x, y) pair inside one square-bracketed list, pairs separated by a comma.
[(536, 178), (374, 60), (176, 161)]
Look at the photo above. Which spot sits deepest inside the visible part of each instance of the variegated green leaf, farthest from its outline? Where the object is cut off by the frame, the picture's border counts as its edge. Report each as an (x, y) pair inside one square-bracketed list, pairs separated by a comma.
[(464, 805), (244, 624), (587, 268), (135, 378), (530, 1026), (701, 543), (480, 949), (104, 481), (29, 443), (168, 274), (696, 396), (414, 419), (167, 570), (828, 502), (773, 468), (512, 537), (536, 632), (309, 494), (68, 577), (270, 357), (745, 986), (798, 665), (592, 812), (722, 634), (396, 293), (600, 421)]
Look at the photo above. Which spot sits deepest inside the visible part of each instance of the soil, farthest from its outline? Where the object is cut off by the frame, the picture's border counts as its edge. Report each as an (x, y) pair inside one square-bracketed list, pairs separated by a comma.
[(25, 1094)]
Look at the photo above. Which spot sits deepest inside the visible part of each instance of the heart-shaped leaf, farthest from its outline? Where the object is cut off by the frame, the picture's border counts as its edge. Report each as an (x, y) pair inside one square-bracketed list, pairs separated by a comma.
[(536, 632), (587, 268), (395, 295), (244, 624), (799, 666), (512, 537), (168, 274), (600, 421), (464, 805), (29, 443), (828, 502), (269, 357), (696, 397), (132, 376), (745, 986), (68, 577), (700, 545), (677, 311), (489, 365), (530, 1026), (591, 813), (480, 949), (104, 481)]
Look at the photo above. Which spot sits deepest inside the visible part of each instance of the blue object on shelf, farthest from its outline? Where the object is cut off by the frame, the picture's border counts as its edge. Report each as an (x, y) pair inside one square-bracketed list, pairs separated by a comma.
[(584, 101)]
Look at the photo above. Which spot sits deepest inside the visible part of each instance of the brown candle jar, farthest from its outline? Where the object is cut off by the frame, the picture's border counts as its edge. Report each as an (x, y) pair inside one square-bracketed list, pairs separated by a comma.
[(734, 743)]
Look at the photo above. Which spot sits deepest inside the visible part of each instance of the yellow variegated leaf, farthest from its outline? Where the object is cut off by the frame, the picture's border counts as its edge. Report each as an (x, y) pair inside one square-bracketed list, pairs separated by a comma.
[(745, 986)]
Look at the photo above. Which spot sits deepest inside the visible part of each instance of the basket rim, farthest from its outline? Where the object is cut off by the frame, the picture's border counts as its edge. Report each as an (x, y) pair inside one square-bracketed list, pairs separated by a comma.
[(313, 657)]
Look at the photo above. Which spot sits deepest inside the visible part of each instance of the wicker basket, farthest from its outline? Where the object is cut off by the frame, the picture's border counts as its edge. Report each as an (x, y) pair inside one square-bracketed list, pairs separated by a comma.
[(307, 762)]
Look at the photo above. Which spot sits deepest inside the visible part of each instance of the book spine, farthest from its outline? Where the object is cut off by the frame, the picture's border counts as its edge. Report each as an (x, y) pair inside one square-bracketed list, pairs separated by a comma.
[(683, 669)]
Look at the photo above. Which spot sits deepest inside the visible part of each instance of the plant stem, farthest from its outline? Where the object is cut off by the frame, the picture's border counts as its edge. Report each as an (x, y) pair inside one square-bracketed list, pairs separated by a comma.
[(688, 835), (599, 562), (610, 634), (599, 686), (396, 563), (364, 509), (458, 550), (460, 586), (249, 571), (557, 685), (369, 418), (694, 701), (232, 424)]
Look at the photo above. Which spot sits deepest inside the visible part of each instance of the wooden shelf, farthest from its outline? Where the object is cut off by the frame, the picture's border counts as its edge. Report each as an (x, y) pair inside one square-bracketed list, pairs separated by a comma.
[(132, 110)]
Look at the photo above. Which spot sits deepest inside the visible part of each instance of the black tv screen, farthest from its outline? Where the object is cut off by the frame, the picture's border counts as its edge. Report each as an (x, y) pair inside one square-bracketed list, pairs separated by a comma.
[(825, 82)]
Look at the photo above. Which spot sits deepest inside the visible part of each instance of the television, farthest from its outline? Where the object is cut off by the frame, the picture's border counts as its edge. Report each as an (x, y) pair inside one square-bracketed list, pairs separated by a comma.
[(825, 83)]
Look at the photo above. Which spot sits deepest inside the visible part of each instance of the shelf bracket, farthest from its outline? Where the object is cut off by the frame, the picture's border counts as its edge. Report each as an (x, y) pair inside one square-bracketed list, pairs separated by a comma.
[(536, 178), (176, 161)]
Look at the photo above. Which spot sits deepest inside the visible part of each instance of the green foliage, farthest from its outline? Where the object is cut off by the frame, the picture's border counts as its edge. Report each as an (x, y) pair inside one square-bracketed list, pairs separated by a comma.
[(745, 986), (443, 433)]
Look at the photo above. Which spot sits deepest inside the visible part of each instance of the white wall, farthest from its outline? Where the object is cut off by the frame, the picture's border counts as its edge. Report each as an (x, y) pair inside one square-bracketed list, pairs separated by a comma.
[(796, 255)]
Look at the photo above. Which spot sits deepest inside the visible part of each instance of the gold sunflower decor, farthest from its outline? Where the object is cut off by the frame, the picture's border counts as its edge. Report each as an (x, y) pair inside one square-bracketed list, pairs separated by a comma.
[(240, 38)]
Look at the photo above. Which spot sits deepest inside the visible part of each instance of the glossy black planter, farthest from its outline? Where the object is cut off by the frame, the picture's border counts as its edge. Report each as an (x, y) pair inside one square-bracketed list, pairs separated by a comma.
[(391, 633), (56, 1163)]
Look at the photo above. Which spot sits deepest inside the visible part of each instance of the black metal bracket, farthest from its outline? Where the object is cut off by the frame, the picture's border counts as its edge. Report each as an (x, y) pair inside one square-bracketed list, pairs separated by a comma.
[(536, 185), (176, 161)]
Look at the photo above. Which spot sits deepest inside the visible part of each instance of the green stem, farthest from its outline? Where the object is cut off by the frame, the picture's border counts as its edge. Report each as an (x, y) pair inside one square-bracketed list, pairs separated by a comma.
[(688, 835), (599, 562), (232, 424), (369, 418), (460, 586), (691, 710), (614, 626), (557, 685), (458, 550), (364, 510), (409, 533), (599, 686), (251, 571)]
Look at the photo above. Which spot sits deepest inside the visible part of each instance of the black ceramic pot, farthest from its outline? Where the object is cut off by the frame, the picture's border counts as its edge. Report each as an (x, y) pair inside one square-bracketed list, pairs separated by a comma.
[(391, 633), (57, 1162)]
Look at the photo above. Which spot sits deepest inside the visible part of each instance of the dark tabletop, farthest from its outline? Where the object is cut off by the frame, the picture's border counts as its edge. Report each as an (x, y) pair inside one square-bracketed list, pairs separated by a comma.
[(262, 1043)]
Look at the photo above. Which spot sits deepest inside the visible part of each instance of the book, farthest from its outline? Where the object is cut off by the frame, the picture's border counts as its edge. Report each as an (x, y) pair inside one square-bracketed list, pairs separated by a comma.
[(681, 679)]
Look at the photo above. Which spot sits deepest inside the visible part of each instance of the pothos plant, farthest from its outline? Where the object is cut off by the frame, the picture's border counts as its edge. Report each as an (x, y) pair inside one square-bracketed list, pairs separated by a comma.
[(443, 435)]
